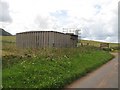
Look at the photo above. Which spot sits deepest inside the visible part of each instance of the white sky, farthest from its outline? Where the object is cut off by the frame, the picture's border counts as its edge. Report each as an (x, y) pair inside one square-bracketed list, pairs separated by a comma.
[(98, 19)]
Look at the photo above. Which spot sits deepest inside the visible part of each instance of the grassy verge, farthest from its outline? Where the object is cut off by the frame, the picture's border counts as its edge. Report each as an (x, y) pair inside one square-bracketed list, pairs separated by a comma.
[(50, 68)]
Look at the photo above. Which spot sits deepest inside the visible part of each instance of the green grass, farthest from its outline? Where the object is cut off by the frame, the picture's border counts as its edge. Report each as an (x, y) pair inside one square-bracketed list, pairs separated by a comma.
[(114, 47), (8, 44), (47, 68), (97, 43), (53, 68), (8, 38)]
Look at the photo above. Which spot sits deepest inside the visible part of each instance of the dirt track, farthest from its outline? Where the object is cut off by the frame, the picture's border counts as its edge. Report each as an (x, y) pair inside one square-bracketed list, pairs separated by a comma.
[(104, 77)]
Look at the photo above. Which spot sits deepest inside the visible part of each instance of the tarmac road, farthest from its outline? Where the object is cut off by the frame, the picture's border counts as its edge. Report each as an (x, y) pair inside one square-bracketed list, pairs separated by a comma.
[(104, 77)]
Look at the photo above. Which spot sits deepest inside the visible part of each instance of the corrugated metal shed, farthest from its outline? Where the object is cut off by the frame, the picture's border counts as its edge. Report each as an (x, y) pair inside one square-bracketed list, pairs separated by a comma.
[(38, 39)]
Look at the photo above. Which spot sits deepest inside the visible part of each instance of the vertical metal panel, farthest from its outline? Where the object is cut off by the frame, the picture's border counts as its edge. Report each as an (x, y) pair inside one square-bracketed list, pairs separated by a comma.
[(19, 41), (55, 40), (29, 44), (42, 39), (60, 40), (58, 35), (23, 40), (22, 36), (64, 39), (26, 40), (30, 38), (33, 40), (30, 41), (45, 39), (51, 39), (37, 39), (34, 33), (63, 43), (68, 41)]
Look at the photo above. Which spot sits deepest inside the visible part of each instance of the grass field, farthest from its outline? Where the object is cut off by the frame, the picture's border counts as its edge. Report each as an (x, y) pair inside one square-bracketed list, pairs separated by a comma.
[(48, 68), (97, 43)]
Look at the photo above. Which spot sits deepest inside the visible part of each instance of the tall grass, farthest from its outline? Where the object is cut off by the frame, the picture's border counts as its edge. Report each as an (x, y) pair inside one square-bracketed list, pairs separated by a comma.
[(51, 68)]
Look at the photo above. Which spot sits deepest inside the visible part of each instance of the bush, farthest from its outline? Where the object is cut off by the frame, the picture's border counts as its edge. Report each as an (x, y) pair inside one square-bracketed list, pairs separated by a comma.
[(107, 49)]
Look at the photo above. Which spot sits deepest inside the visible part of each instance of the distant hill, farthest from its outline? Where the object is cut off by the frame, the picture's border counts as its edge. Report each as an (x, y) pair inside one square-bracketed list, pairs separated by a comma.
[(97, 43), (4, 33)]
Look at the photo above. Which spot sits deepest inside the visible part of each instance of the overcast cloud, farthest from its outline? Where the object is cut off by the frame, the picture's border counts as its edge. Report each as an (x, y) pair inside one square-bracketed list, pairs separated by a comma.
[(4, 12), (97, 19)]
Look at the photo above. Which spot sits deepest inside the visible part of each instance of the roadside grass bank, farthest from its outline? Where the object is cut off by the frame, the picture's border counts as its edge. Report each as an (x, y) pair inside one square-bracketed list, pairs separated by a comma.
[(50, 68)]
